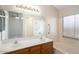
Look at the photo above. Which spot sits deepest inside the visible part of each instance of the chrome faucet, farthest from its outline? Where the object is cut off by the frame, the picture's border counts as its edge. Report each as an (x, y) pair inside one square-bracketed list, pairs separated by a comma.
[(15, 42), (40, 35)]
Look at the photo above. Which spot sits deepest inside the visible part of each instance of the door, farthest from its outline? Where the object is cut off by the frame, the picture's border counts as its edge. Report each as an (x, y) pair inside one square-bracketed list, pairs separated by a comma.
[(68, 26), (77, 26)]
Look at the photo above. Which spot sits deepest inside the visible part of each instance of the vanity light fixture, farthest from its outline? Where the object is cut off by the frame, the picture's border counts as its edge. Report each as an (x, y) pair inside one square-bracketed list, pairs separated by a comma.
[(28, 8)]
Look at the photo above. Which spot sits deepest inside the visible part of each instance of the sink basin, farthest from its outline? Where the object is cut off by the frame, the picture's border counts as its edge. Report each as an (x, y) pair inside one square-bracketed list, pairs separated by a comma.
[(2, 50), (9, 46)]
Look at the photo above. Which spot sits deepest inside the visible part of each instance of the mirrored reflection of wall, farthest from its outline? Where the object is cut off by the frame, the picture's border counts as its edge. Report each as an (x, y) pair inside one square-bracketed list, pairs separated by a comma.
[(33, 26), (27, 26), (38, 26), (71, 26)]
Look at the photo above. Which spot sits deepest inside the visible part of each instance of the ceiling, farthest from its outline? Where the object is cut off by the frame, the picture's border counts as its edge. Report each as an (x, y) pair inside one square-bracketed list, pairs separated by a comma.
[(62, 7)]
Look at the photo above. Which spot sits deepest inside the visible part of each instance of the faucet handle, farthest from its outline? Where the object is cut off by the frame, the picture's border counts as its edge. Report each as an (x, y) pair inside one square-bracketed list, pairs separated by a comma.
[(16, 42)]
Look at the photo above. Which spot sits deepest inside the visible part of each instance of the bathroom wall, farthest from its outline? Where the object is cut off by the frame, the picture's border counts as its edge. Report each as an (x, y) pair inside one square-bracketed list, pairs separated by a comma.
[(49, 14)]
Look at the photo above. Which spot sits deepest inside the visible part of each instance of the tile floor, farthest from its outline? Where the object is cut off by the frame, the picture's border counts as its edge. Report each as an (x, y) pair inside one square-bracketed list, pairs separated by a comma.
[(57, 52)]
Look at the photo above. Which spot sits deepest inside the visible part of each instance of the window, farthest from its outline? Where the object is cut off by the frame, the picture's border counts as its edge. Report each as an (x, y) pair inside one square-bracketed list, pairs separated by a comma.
[(68, 26), (71, 26)]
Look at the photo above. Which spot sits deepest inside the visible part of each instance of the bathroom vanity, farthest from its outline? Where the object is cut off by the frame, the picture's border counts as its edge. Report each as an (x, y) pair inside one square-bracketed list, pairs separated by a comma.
[(16, 27), (44, 48), (27, 46)]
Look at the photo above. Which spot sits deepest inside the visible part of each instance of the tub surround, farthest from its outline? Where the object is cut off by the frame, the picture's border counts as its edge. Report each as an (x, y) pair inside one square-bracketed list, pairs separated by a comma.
[(24, 44), (67, 46)]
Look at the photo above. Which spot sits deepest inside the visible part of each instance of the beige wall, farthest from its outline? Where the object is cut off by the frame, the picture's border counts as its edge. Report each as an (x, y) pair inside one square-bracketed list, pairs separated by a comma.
[(49, 14)]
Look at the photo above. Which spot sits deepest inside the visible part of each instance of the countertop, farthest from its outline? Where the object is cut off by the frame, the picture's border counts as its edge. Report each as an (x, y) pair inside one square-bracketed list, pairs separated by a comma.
[(8, 47)]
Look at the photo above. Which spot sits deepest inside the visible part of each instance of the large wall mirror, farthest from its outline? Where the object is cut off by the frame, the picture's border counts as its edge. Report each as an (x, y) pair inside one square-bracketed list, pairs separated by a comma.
[(19, 25)]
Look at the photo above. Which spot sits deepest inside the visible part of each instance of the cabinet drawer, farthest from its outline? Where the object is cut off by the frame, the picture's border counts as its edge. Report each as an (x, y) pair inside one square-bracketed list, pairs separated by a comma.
[(35, 50)]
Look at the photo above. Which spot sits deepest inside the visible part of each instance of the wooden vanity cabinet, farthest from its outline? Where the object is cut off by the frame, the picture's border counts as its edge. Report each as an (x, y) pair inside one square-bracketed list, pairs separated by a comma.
[(47, 48), (21, 51), (35, 49), (44, 48)]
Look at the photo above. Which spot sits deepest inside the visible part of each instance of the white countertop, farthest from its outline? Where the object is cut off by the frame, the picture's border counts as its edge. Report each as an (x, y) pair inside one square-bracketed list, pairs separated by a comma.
[(8, 47)]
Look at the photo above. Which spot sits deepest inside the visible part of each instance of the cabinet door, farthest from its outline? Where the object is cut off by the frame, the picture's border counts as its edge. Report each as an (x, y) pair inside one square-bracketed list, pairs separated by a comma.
[(21, 51), (35, 50), (68, 29), (77, 26), (47, 48)]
